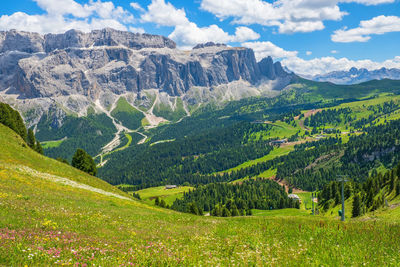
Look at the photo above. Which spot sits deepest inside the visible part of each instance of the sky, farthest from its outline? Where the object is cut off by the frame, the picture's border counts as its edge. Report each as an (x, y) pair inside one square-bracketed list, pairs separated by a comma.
[(309, 37)]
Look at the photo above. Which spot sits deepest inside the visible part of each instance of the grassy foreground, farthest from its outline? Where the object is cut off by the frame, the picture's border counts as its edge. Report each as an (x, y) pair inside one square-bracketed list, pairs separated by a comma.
[(45, 220)]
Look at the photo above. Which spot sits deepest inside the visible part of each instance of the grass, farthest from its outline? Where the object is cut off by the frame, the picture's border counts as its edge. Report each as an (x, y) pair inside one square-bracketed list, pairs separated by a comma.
[(169, 195), (128, 115), (279, 130), (45, 223), (276, 152), (168, 112), (280, 213), (360, 110), (51, 144)]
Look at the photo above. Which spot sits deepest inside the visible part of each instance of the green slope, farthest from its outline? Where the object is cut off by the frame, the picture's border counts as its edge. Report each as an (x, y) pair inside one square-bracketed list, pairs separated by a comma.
[(129, 116), (45, 221)]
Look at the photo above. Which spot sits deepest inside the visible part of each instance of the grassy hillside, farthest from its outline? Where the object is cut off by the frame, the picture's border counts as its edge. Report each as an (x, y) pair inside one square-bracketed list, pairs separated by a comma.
[(90, 133), (129, 116), (51, 215), (171, 113), (169, 195)]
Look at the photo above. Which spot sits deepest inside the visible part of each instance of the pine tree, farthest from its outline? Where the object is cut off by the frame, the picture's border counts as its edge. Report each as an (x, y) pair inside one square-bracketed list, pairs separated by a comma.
[(356, 206), (162, 203), (31, 140), (193, 208), (235, 211), (39, 148), (62, 160), (84, 162), (398, 187), (225, 212), (12, 119)]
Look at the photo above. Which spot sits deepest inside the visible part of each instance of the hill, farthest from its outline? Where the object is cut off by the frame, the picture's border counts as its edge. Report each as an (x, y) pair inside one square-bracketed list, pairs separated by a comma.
[(52, 214)]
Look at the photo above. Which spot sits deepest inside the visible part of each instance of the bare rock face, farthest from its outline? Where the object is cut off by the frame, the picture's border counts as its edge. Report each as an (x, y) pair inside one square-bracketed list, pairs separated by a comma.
[(21, 41), (105, 37), (108, 62)]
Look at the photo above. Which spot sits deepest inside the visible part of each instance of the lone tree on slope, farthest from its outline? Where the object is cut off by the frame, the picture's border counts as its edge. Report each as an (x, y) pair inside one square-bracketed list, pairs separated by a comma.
[(84, 162)]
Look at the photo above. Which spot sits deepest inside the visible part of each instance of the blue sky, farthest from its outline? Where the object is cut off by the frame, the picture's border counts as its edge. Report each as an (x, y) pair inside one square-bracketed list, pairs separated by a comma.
[(309, 36)]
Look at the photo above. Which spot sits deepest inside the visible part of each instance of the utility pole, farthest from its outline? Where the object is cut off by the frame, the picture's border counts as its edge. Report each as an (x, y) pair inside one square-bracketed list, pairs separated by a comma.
[(343, 179), (312, 200)]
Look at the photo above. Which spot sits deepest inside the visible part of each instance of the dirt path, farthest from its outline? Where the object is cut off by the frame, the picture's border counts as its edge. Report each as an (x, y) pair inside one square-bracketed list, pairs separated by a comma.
[(306, 115), (283, 182), (58, 179), (116, 141)]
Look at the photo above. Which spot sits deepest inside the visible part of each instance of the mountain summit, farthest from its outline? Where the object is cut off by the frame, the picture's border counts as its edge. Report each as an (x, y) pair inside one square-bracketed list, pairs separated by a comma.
[(74, 69), (354, 75)]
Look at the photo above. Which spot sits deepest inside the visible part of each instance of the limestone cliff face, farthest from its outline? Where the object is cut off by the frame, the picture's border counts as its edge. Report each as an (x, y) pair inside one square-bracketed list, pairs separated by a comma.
[(92, 66), (70, 63)]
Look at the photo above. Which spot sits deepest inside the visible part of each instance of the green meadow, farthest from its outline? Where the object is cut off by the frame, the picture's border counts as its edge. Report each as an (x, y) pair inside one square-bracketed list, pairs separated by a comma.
[(53, 214), (169, 195)]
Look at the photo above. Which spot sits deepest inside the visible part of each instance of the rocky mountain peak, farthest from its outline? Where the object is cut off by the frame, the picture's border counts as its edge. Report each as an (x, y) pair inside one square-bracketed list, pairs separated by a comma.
[(354, 75), (75, 68), (209, 44)]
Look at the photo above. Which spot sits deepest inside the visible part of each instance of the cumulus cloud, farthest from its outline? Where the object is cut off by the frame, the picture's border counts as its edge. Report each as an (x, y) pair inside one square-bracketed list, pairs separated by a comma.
[(315, 66), (377, 25), (369, 2), (265, 49), (308, 53), (187, 33), (288, 15), (137, 29), (325, 65), (164, 14), (137, 6), (72, 15)]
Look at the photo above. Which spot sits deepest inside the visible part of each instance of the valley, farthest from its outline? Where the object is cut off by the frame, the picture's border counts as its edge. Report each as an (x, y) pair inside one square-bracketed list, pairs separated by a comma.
[(40, 225), (121, 148)]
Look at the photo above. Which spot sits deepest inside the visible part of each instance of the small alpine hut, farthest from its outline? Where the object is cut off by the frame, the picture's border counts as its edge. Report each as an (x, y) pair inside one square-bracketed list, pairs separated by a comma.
[(295, 197)]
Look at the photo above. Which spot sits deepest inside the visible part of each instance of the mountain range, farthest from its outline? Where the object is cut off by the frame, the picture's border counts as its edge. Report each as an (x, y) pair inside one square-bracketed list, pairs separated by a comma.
[(354, 75), (72, 72)]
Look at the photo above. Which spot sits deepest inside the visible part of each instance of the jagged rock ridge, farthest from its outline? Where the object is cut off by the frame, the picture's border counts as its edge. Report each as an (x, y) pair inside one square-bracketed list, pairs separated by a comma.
[(74, 69), (354, 75)]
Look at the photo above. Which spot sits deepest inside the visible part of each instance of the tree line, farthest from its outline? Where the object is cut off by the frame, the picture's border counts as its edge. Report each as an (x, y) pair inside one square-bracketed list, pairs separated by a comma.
[(367, 196), (235, 199)]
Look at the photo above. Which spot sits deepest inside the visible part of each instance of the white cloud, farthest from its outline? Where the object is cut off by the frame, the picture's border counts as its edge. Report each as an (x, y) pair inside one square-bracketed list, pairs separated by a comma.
[(288, 15), (325, 65), (308, 53), (334, 51), (315, 66), (137, 6), (377, 25), (63, 7), (186, 33), (243, 34), (164, 14), (137, 29), (369, 2), (72, 15), (265, 49)]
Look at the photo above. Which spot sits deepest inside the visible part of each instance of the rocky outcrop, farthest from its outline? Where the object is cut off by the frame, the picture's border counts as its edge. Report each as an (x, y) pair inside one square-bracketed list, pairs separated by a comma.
[(105, 37), (107, 62), (21, 41)]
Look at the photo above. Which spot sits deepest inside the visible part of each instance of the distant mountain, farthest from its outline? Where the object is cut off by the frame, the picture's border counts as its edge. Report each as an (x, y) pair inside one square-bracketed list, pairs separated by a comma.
[(74, 71), (354, 76)]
